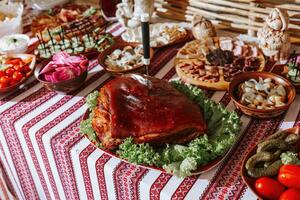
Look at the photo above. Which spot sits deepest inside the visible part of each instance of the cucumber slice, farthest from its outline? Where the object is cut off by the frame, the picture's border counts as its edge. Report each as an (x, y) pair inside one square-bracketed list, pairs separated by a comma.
[(292, 74), (69, 51), (78, 50)]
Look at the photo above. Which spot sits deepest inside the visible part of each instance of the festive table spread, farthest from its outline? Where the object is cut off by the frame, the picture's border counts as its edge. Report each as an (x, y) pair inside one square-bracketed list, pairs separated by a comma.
[(44, 156)]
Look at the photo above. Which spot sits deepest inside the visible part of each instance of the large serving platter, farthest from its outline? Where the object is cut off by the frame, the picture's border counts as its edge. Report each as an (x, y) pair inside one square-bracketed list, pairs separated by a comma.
[(195, 52), (250, 182), (202, 169)]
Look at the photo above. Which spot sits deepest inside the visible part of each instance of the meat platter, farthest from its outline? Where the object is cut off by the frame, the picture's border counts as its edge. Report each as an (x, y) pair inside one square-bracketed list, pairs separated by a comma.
[(194, 135), (212, 63)]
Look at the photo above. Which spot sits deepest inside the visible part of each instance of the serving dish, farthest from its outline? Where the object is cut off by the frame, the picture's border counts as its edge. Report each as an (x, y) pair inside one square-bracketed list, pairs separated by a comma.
[(250, 182), (212, 63), (15, 43), (63, 83), (216, 117), (103, 56), (63, 16), (28, 74), (158, 37), (261, 113)]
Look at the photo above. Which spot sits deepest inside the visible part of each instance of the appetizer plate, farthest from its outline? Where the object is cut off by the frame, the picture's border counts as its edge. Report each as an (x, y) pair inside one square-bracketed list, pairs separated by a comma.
[(212, 63), (103, 56), (32, 62), (250, 182), (134, 35), (279, 69), (202, 169), (261, 113)]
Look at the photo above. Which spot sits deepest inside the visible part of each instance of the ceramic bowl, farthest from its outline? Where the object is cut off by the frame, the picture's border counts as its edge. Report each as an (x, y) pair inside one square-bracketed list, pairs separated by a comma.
[(260, 113), (102, 57), (28, 75), (63, 87), (21, 48)]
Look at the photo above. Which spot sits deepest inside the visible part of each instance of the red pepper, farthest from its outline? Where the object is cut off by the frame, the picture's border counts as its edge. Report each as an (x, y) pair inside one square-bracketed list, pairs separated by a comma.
[(289, 175), (290, 194)]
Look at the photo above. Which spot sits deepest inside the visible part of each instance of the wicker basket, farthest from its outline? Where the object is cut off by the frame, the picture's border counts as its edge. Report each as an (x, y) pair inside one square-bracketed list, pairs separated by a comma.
[(242, 16)]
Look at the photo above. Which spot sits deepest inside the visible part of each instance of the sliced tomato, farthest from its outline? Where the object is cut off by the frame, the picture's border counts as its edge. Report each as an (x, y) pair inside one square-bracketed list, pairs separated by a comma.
[(289, 175), (10, 71), (290, 194), (2, 73), (269, 188)]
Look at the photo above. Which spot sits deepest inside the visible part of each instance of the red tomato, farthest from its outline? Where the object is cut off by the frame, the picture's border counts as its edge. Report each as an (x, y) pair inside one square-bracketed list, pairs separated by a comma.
[(290, 194), (9, 71), (269, 188), (4, 79), (18, 67), (289, 175), (3, 85), (2, 73), (17, 76)]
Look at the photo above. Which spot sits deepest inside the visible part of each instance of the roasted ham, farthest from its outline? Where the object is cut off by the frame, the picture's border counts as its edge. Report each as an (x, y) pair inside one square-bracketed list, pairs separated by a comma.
[(146, 108)]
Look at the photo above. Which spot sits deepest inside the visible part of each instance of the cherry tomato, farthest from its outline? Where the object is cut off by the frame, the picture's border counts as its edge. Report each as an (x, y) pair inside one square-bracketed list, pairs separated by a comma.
[(18, 67), (289, 175), (17, 76), (4, 80), (3, 85), (269, 188), (2, 73), (290, 194), (9, 71)]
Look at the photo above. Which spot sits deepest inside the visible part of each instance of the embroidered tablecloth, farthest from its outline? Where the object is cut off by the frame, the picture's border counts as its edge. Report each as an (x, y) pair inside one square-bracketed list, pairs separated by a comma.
[(43, 155)]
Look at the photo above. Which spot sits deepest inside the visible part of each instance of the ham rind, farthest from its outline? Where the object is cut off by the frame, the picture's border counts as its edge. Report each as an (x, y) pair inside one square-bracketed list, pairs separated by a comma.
[(147, 109)]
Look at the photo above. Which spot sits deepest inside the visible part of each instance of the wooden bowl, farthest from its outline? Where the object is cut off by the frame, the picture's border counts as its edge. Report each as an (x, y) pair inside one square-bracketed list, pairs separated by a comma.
[(28, 75), (62, 86), (250, 182), (116, 72), (259, 113)]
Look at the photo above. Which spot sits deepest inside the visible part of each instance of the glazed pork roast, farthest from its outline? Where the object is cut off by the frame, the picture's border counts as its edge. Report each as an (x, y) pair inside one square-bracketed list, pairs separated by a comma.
[(147, 109)]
